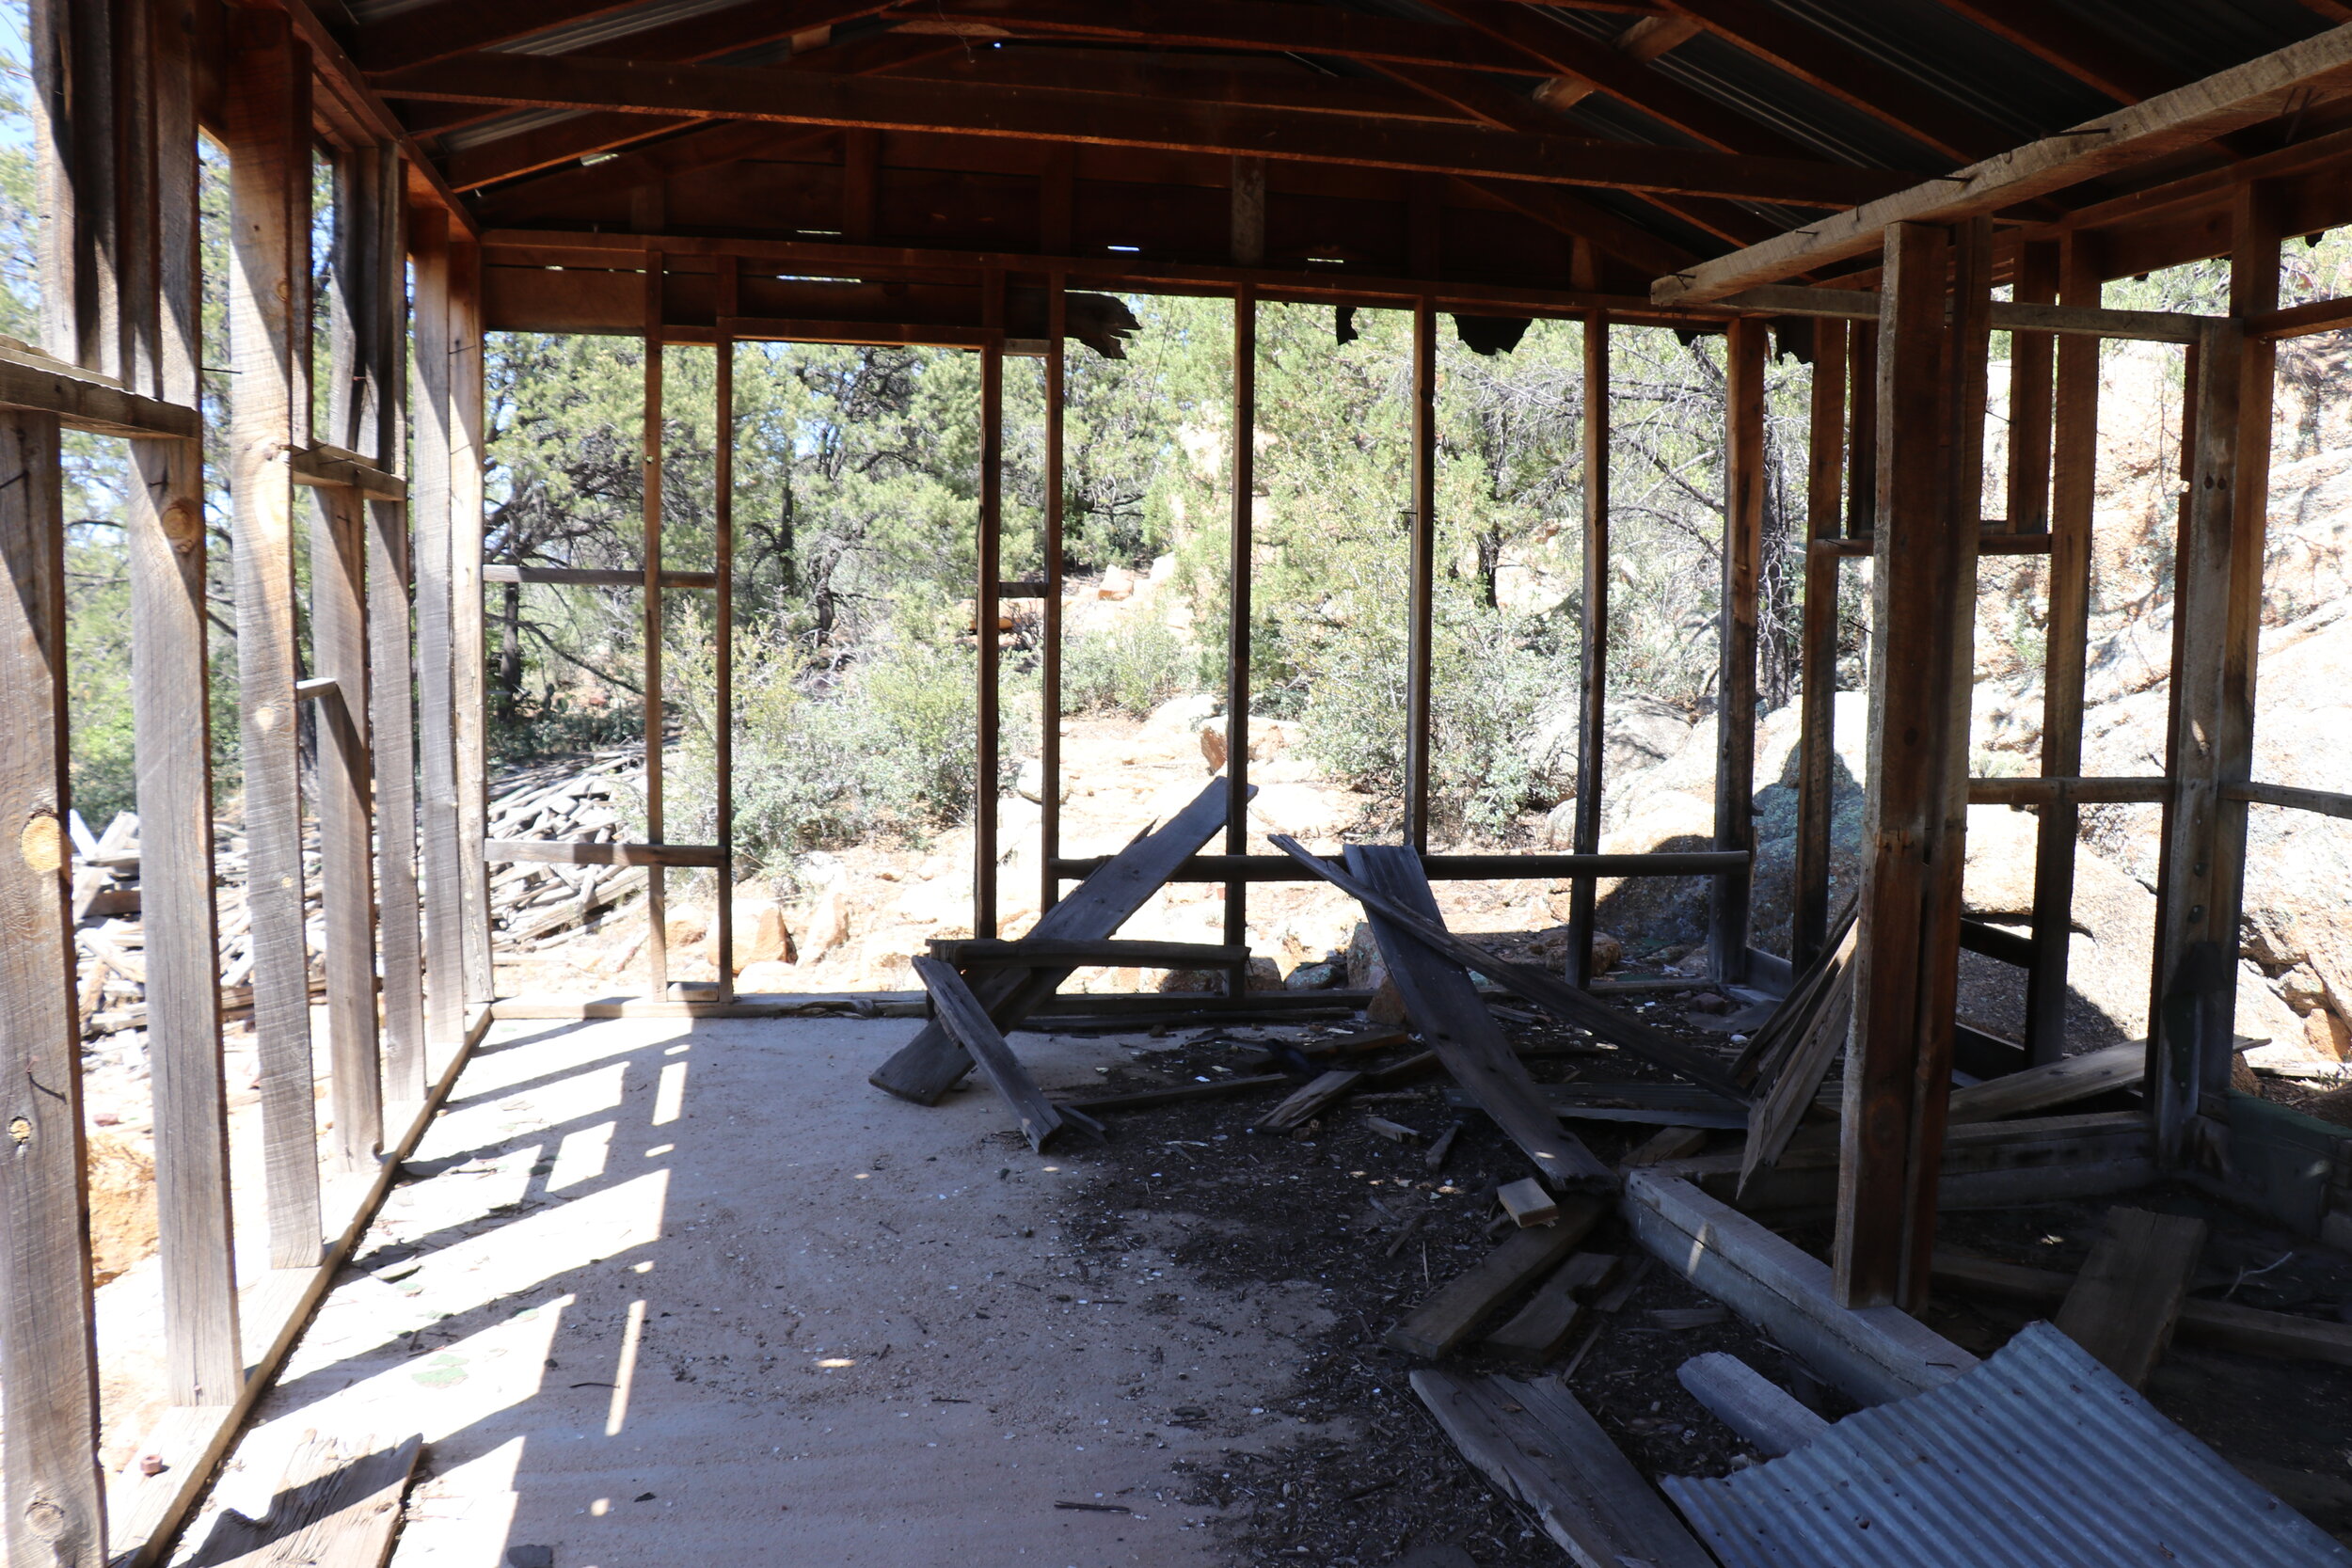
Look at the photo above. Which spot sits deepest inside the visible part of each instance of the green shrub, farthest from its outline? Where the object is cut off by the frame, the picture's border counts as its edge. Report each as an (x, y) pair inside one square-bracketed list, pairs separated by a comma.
[(1130, 667)]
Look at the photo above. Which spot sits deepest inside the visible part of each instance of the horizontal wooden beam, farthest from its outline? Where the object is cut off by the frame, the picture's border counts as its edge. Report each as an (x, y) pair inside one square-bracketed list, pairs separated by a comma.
[(2287, 81), (2054, 791), (2325, 802), (1048, 953), (345, 97), (85, 399), (1446, 868), (761, 329), (1989, 543), (588, 577), (724, 92), (335, 469), (2300, 321), (558, 851), (319, 688), (2163, 326)]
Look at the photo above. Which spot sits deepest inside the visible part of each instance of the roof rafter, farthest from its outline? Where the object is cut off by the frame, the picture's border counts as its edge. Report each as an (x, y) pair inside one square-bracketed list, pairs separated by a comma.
[(437, 32), (1225, 25), (2084, 52), (718, 92)]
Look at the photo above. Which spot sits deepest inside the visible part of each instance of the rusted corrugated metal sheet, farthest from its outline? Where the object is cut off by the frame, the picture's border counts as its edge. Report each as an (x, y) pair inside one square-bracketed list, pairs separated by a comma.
[(2038, 1458)]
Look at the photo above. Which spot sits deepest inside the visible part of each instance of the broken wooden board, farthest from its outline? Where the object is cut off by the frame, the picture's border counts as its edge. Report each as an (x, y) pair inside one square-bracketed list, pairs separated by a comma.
[(2124, 1303), (1528, 1202), (968, 1024), (338, 1505), (1543, 1449), (1319, 1096), (1766, 1416), (1547, 990), (1468, 1299), (1664, 1104), (1818, 1039), (1875, 1354), (1768, 1048), (2221, 1325), (928, 1066), (1037, 952), (2058, 1082), (1445, 1007), (1667, 1142), (1178, 1094), (1539, 1331)]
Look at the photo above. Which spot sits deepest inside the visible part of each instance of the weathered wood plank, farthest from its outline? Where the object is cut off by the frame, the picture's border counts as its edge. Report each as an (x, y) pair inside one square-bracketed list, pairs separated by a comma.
[(962, 1015), (1817, 747), (338, 1505), (1760, 1411), (2224, 1325), (1772, 1120), (1318, 1095), (1455, 1312), (1034, 952), (52, 1510), (1241, 559), (429, 500), (2123, 1305), (1541, 1448), (1539, 1331), (2058, 1082), (1744, 478), (557, 851), (339, 643), (651, 464), (927, 1067), (1420, 557), (470, 715), (1445, 1007), (267, 136), (1592, 721), (1181, 1094)]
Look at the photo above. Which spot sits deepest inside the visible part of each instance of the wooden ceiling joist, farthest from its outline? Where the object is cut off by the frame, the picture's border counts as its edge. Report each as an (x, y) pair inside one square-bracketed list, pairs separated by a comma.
[(2091, 57), (2288, 81), (449, 27), (880, 104), (1313, 30)]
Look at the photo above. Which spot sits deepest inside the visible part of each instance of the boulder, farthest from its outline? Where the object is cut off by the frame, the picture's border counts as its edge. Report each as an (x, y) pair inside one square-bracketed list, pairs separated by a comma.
[(761, 935), (1387, 1005), (1264, 975), (827, 926)]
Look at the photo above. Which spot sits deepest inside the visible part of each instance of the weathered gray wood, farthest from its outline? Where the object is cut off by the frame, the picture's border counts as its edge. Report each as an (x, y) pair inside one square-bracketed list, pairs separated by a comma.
[(267, 136), (989, 553), (52, 1508), (466, 631), (1319, 1095), (962, 1015), (2325, 803), (927, 1067), (1875, 1354), (1181, 1094), (1457, 1309), (1817, 750), (556, 851), (656, 714), (1760, 1410), (437, 736), (339, 642), (2124, 1303), (1541, 1448), (1421, 571), (2058, 1082), (2224, 1324), (1058, 192), (1592, 726), (338, 1505), (1772, 1119), (1034, 952), (1745, 477), (1445, 1007), (1538, 1332), (587, 577), (723, 622), (1241, 561)]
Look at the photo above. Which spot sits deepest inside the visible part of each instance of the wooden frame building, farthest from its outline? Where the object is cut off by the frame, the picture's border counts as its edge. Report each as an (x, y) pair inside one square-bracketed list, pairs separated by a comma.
[(966, 173)]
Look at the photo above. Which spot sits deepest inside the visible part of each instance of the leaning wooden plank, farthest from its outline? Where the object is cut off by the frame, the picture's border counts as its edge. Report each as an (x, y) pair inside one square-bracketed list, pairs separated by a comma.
[(1449, 1317), (2124, 1303), (1772, 1119), (2291, 80), (1539, 1331), (1875, 1354), (1536, 1443), (1179, 1094), (927, 1067), (1320, 1095), (2222, 1325), (1444, 1005), (338, 1506), (1749, 1403), (2057, 1083), (965, 1020), (1545, 989)]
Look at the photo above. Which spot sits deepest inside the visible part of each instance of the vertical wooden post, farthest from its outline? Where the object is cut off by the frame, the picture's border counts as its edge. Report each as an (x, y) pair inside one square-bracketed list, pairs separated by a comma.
[(1735, 701), (1817, 749), (1862, 433), (1592, 697), (437, 736), (1930, 479), (1239, 577), (2030, 395), (657, 876), (338, 633), (1249, 208), (991, 554), (1049, 630), (267, 136), (1423, 573), (465, 591), (74, 127), (2074, 455), (2217, 622), (164, 540), (723, 616), (49, 1484)]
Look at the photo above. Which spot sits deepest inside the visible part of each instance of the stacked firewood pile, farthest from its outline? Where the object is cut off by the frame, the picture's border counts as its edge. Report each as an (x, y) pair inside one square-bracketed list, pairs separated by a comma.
[(533, 903)]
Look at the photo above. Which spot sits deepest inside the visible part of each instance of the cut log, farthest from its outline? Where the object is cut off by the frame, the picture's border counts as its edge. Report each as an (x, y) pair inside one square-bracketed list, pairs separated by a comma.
[(965, 1020), (1541, 1448), (1766, 1416), (2123, 1305), (1465, 1302)]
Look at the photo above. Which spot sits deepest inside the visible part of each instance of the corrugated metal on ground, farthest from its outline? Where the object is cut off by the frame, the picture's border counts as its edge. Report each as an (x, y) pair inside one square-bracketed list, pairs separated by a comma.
[(2038, 1456)]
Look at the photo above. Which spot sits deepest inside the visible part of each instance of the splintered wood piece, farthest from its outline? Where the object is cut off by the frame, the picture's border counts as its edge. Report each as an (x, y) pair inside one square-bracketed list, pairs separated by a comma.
[(1819, 1036), (2057, 1083), (928, 1066), (1451, 1315), (1760, 1411), (1539, 1331), (1435, 1159), (1540, 1448), (337, 1506), (1309, 1102), (1445, 1007), (1420, 1065), (1527, 1202), (1396, 1132), (2124, 1304), (1668, 1143), (1675, 1320), (967, 1023)]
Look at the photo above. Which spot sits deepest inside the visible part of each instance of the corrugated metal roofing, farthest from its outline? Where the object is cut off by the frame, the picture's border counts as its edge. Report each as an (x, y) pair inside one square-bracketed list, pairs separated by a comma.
[(2038, 1458)]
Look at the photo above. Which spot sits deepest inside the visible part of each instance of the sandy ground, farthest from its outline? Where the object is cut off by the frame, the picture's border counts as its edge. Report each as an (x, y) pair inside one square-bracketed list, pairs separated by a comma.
[(654, 1306)]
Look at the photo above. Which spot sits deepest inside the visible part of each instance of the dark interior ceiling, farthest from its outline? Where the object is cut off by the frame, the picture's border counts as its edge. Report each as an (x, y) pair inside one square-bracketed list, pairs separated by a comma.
[(1489, 144)]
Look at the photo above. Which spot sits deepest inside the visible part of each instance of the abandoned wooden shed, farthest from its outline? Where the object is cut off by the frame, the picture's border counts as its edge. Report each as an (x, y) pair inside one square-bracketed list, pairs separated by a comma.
[(1888, 185)]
